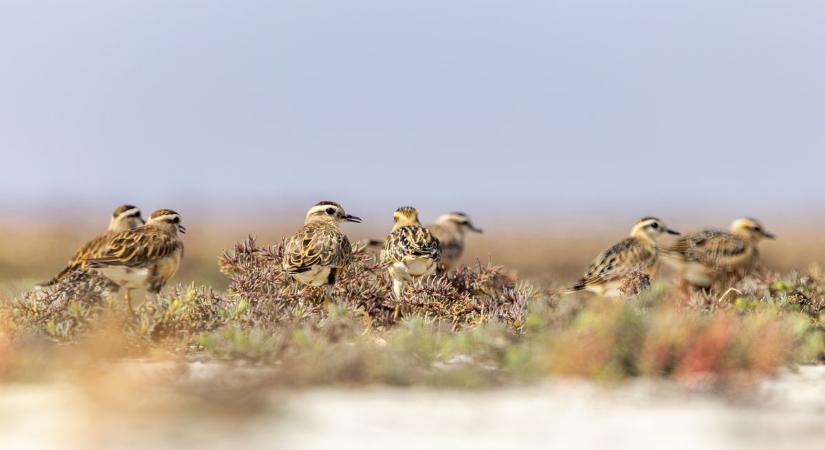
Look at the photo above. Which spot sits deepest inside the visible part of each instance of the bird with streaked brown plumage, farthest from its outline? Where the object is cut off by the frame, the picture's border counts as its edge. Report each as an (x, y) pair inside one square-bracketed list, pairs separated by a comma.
[(708, 256), (637, 254)]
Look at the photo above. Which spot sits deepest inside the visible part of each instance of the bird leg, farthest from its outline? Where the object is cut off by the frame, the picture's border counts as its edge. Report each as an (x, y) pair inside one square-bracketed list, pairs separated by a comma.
[(128, 295), (725, 295), (368, 321), (397, 288), (327, 297)]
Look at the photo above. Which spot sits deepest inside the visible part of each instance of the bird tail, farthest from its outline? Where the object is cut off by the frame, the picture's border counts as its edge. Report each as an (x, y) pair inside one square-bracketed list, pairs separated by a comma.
[(578, 287), (99, 263), (301, 269), (56, 279)]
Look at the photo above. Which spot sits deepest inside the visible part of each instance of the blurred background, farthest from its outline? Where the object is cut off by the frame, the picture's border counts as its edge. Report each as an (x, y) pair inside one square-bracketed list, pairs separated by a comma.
[(554, 125)]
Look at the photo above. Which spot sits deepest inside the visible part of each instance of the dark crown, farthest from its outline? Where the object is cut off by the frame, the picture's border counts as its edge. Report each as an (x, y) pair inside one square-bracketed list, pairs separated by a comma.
[(327, 202), (645, 219)]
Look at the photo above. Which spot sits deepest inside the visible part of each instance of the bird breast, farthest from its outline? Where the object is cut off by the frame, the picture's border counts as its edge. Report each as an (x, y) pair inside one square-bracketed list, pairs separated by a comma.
[(316, 276)]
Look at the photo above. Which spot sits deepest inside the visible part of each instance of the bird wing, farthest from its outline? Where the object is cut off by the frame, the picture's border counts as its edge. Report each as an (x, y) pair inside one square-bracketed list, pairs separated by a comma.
[(88, 250), (411, 240), (617, 262), (710, 247), (91, 249), (135, 248), (316, 244)]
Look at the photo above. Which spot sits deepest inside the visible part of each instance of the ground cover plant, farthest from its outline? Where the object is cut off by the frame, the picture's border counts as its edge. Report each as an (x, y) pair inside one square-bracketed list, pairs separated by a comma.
[(477, 326)]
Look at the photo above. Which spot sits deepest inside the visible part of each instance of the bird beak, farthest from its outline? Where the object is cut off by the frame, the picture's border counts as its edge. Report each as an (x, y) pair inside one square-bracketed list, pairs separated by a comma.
[(673, 232), (182, 229), (350, 218), (768, 235), (472, 227)]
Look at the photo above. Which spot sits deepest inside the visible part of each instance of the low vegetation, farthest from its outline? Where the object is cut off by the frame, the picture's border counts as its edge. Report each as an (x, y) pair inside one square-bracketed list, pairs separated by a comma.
[(477, 326)]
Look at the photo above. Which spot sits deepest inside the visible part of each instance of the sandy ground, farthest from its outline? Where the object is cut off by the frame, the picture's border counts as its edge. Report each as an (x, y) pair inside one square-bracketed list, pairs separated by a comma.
[(787, 412)]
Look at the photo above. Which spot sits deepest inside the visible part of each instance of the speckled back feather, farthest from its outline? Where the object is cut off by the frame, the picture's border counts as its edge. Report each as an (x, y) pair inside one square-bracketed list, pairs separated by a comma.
[(628, 256), (89, 250), (138, 247), (713, 248), (317, 244), (410, 240)]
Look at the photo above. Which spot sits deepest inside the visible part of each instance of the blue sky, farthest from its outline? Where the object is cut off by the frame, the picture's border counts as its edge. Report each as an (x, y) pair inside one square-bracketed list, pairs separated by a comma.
[(576, 105)]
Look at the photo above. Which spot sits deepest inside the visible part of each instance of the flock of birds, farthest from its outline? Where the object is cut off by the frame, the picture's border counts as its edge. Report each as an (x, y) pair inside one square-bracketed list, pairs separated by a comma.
[(138, 255)]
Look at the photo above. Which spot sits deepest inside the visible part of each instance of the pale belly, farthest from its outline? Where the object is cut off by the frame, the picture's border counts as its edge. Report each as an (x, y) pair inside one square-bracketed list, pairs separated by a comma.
[(698, 274), (317, 276), (694, 273), (610, 289), (127, 277), (413, 267), (154, 276)]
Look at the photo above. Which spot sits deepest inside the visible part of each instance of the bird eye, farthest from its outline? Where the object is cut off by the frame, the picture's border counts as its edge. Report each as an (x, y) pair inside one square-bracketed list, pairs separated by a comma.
[(330, 211), (176, 220), (654, 225)]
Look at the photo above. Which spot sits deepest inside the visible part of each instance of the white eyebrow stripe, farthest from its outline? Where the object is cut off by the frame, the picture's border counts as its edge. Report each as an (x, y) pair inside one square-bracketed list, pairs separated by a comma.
[(165, 217), (129, 212), (317, 208), (452, 217)]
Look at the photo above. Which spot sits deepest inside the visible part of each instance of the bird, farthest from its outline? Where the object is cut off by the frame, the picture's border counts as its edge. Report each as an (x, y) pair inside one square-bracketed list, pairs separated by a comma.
[(706, 256), (411, 251), (125, 217), (143, 258), (319, 251), (636, 254), (450, 229)]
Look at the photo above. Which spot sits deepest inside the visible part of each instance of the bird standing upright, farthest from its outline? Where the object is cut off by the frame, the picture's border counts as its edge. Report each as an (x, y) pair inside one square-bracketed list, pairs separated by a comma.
[(143, 258), (410, 251), (704, 257), (125, 217), (450, 230), (317, 253), (637, 253)]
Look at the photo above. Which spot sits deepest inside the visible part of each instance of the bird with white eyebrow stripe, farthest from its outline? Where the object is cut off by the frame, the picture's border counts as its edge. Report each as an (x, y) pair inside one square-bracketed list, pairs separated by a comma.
[(410, 251), (707, 256), (144, 258), (125, 217), (637, 253), (319, 251), (450, 230)]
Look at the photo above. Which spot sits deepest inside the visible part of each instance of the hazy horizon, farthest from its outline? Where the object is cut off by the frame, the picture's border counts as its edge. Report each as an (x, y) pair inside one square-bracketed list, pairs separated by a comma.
[(489, 106)]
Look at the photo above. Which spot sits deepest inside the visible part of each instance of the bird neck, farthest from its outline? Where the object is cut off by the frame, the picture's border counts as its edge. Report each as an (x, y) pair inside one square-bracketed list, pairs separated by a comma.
[(163, 227), (321, 219), (644, 238), (745, 235), (118, 225)]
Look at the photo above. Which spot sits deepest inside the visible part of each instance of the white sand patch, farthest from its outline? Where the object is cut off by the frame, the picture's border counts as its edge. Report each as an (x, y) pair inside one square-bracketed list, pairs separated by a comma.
[(786, 412)]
